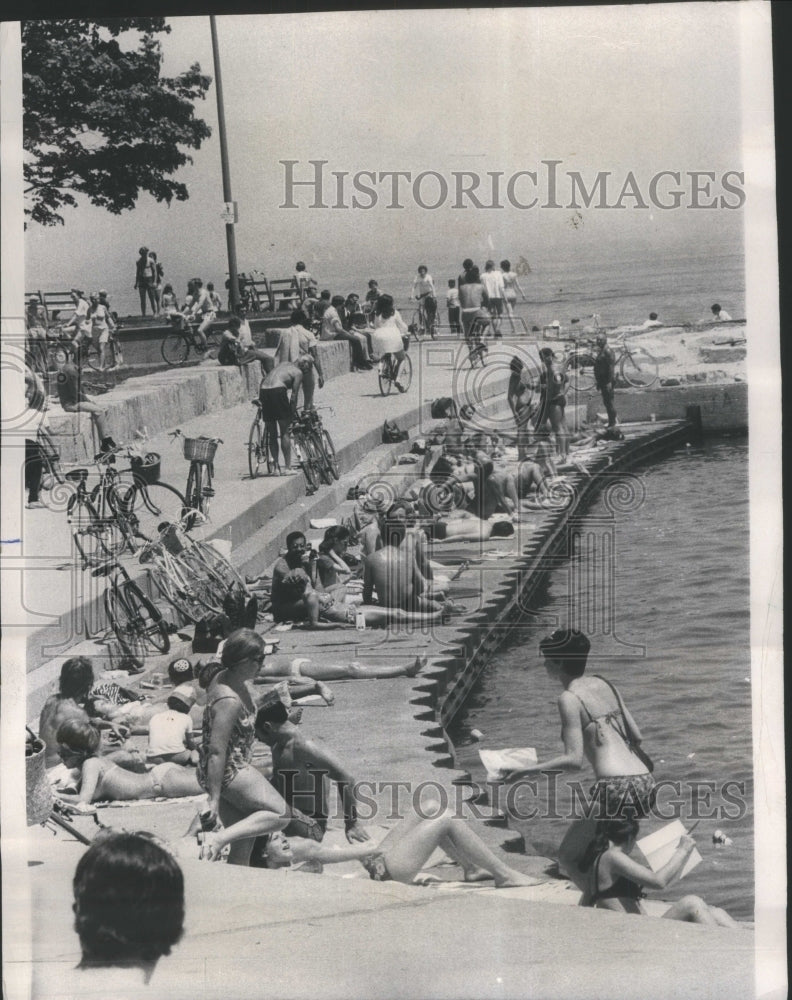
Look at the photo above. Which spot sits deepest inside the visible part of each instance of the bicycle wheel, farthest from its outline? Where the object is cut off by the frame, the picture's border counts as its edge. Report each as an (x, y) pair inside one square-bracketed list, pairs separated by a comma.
[(207, 492), (155, 504), (273, 466), (403, 380), (306, 464), (119, 618), (383, 376), (175, 348), (213, 340), (98, 538), (143, 620), (193, 496), (218, 565), (204, 586), (579, 368), (638, 368), (89, 354), (257, 445), (330, 453), (113, 503), (417, 324), (177, 593)]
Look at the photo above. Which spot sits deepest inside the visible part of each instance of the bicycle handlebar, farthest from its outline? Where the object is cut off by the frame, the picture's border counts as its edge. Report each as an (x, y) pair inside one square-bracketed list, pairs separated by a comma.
[(179, 433)]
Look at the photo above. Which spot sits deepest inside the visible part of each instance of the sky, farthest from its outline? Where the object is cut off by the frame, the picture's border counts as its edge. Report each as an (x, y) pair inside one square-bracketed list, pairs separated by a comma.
[(641, 89)]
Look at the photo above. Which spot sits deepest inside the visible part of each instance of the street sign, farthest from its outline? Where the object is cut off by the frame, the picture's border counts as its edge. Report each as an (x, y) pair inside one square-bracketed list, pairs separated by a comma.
[(229, 213)]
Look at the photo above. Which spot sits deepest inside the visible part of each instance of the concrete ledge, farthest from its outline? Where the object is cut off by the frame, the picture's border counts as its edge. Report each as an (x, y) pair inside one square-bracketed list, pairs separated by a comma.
[(723, 407)]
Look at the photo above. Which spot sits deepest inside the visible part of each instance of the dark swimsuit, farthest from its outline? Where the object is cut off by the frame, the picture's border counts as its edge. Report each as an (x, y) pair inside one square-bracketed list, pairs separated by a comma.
[(622, 888)]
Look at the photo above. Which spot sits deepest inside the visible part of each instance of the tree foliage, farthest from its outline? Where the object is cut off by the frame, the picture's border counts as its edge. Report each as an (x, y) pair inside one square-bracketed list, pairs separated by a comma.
[(99, 119)]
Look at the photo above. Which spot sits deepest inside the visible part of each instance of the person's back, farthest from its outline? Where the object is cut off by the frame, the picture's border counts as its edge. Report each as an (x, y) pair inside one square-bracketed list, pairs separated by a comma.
[(605, 745), (392, 573), (57, 710), (282, 375), (471, 295)]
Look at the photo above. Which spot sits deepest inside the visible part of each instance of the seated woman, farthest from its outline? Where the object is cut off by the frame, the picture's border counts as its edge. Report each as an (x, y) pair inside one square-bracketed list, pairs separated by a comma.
[(533, 475), (333, 572), (101, 780), (398, 858), (128, 908), (616, 881)]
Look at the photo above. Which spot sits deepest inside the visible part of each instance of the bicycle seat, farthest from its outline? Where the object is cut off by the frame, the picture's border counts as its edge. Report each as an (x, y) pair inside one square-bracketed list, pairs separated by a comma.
[(76, 475), (103, 569)]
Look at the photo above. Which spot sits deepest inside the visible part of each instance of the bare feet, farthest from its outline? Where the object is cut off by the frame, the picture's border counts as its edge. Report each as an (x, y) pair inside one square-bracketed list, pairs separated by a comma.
[(325, 692), (515, 879), (417, 667), (477, 875)]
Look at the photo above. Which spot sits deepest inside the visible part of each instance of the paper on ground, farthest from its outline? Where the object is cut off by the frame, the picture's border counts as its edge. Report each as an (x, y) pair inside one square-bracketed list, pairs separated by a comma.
[(658, 847), (511, 759)]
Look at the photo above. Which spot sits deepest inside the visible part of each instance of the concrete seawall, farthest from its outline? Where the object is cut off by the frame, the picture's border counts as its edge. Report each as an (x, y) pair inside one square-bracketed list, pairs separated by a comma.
[(724, 408)]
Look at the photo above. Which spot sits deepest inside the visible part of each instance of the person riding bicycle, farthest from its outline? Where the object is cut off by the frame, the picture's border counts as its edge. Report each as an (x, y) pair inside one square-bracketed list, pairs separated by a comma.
[(278, 408), (80, 321), (387, 338), (423, 290), (202, 307)]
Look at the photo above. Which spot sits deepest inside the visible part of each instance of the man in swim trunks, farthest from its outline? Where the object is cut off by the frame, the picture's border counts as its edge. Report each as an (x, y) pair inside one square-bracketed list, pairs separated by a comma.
[(301, 772), (392, 570), (492, 279), (604, 375), (278, 409)]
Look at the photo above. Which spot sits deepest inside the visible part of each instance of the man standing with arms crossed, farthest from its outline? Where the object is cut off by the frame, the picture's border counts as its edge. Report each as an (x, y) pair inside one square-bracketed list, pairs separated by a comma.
[(604, 375)]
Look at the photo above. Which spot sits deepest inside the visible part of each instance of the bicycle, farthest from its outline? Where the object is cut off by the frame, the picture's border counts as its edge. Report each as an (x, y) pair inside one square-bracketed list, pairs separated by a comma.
[(52, 475), (259, 452), (386, 369), (118, 512), (177, 345), (421, 324), (323, 444), (200, 453), (477, 349), (305, 450), (133, 617), (636, 366)]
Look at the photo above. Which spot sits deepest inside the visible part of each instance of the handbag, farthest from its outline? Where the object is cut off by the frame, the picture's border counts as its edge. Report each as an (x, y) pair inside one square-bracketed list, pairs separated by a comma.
[(629, 738)]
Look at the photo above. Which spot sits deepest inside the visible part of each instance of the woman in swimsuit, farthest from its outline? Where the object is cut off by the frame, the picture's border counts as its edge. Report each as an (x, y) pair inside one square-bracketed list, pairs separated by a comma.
[(399, 857), (101, 780), (593, 718), (239, 795), (553, 381), (512, 286), (616, 881)]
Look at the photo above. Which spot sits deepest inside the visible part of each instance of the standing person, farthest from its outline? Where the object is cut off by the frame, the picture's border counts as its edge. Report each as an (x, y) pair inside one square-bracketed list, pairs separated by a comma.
[(103, 325), (492, 279), (472, 299), (597, 726), (36, 401), (604, 376), (370, 301), (295, 342), (303, 280), (74, 400), (553, 382), (214, 298), (158, 272), (36, 333), (168, 302), (145, 280), (80, 321), (240, 797), (423, 290), (467, 267), (511, 286), (452, 304), (278, 409), (519, 398)]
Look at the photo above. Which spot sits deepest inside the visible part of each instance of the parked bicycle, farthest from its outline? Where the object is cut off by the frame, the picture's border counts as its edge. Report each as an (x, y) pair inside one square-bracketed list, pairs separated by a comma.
[(182, 339), (387, 374), (134, 618), (200, 453), (259, 450), (421, 324), (52, 475), (635, 365), (125, 506), (314, 449)]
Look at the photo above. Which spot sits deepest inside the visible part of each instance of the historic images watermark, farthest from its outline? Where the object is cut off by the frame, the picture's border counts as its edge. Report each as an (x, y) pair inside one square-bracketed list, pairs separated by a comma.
[(311, 184)]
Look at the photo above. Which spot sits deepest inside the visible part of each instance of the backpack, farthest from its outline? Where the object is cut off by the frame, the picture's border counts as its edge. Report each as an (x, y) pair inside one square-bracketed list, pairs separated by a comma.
[(391, 433), (443, 408)]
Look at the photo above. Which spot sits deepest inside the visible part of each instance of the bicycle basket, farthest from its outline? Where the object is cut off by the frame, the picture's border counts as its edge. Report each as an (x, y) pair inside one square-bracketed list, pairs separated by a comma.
[(200, 449), (39, 799), (147, 467)]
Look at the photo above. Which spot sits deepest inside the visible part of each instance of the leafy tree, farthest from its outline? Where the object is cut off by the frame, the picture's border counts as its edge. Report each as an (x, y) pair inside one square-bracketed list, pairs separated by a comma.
[(99, 119)]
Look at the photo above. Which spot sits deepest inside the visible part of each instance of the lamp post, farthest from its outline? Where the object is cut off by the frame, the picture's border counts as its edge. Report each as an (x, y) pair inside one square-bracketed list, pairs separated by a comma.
[(230, 213)]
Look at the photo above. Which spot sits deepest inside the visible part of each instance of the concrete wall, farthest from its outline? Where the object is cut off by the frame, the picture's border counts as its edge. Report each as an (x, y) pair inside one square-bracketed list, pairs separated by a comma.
[(164, 399), (723, 407)]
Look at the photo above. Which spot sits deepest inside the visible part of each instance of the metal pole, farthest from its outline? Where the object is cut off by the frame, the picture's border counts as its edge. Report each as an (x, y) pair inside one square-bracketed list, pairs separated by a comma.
[(233, 290)]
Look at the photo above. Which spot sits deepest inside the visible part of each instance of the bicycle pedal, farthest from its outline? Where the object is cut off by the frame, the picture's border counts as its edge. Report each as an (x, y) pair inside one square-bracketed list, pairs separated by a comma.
[(208, 492)]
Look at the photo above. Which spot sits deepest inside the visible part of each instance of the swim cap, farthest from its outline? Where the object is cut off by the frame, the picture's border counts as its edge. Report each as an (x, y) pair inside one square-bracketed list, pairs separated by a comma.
[(184, 693)]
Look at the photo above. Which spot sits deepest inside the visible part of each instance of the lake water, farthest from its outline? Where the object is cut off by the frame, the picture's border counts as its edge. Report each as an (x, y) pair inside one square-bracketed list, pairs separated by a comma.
[(680, 582)]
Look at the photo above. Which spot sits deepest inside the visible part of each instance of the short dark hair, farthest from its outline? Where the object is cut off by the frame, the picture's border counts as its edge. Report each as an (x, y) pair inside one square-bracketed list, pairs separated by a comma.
[(716, 308), (570, 646), (337, 300), (128, 900), (235, 322), (505, 265), (76, 677), (298, 316), (293, 536), (652, 315), (275, 714), (79, 736), (545, 353), (467, 263)]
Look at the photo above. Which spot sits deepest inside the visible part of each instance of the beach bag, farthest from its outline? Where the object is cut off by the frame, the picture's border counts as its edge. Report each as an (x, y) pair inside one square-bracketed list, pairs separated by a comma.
[(442, 408), (39, 800), (629, 737), (391, 433)]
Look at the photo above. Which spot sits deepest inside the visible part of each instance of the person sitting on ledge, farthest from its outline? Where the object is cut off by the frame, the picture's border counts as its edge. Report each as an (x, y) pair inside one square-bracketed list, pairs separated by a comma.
[(73, 399), (616, 881), (128, 909)]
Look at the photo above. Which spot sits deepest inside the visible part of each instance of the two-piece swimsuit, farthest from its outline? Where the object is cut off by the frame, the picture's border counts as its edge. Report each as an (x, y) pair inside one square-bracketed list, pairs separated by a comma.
[(619, 795)]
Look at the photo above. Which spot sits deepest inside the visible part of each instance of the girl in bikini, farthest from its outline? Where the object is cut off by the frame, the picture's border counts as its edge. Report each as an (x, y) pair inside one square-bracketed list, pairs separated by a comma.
[(616, 881), (102, 781)]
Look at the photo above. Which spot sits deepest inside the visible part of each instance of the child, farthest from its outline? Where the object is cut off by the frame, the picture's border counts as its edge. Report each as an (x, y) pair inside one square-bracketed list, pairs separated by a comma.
[(452, 302), (170, 732)]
